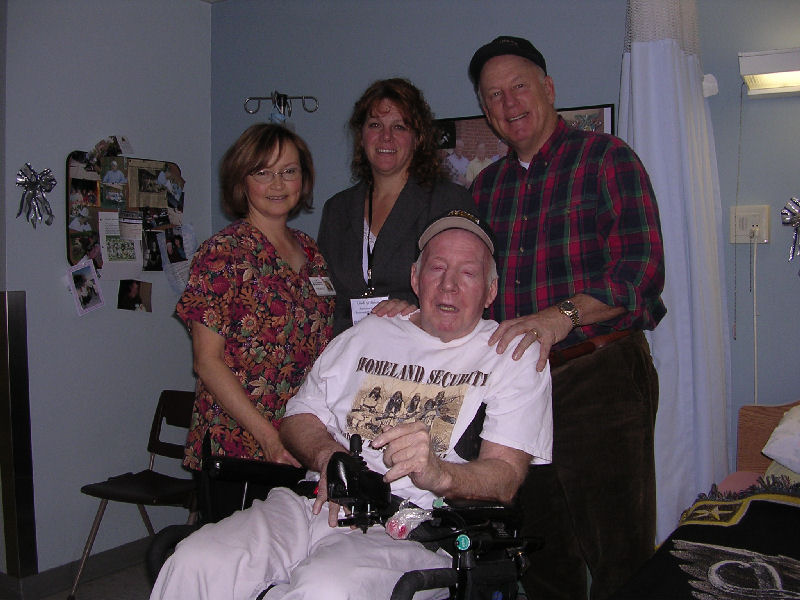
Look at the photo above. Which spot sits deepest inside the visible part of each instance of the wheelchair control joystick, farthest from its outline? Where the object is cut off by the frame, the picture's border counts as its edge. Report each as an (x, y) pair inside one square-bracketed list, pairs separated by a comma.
[(360, 490)]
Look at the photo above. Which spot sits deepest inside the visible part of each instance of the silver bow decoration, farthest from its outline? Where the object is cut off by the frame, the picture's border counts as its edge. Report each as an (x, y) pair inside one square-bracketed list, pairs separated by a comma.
[(33, 202), (790, 215)]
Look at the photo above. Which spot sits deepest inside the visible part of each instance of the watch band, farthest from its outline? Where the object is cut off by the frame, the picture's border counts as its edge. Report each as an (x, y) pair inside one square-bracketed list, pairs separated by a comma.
[(569, 309)]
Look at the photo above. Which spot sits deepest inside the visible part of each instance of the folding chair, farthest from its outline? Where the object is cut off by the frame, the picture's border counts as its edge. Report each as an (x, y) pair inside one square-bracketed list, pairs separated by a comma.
[(147, 487)]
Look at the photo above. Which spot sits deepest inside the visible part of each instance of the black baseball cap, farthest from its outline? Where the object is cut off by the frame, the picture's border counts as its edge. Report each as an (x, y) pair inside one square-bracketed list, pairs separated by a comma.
[(505, 44)]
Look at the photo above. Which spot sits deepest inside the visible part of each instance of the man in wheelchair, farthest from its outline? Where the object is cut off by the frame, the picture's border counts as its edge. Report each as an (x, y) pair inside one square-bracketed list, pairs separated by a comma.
[(416, 389)]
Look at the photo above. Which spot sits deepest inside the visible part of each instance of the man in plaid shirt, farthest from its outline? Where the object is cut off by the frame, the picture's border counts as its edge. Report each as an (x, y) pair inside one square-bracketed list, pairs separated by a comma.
[(581, 270)]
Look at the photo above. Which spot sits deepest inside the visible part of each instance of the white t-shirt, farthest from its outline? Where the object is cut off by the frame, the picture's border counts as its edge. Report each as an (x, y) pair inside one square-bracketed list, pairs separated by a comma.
[(385, 371)]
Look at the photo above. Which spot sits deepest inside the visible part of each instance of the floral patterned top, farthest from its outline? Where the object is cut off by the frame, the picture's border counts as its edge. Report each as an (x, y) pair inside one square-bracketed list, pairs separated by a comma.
[(274, 324)]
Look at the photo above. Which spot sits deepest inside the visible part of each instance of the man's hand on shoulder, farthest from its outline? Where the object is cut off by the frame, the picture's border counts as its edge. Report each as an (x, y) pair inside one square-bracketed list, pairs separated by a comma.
[(548, 327)]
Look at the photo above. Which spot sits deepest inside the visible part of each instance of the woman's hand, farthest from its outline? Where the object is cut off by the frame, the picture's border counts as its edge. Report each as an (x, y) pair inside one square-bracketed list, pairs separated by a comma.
[(393, 307), (274, 451)]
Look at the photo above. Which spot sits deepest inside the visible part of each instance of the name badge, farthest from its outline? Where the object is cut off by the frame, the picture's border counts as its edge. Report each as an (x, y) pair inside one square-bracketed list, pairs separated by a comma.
[(361, 307), (322, 285)]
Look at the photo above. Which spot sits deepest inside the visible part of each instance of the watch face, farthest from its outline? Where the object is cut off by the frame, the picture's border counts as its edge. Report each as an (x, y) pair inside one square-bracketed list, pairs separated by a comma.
[(569, 309)]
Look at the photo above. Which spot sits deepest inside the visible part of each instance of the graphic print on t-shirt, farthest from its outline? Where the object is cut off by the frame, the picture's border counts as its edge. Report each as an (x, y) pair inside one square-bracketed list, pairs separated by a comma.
[(383, 402)]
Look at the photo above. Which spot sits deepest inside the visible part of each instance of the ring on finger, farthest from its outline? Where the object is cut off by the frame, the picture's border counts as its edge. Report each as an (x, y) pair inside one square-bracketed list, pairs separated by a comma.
[(535, 333)]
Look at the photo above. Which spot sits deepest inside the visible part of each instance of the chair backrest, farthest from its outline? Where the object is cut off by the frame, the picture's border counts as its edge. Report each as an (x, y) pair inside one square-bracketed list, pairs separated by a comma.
[(756, 423), (174, 407)]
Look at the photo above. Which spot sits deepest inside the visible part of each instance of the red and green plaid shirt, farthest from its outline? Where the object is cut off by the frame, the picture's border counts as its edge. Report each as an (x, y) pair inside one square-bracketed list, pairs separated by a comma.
[(582, 219)]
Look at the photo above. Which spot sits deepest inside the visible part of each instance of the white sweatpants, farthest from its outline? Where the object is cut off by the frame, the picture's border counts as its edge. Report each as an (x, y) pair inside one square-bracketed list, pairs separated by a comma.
[(279, 541)]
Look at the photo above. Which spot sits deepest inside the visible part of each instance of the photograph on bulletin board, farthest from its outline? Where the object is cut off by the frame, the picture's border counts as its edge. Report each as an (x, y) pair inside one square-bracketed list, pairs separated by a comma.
[(85, 287), (135, 295), (467, 145), (100, 191)]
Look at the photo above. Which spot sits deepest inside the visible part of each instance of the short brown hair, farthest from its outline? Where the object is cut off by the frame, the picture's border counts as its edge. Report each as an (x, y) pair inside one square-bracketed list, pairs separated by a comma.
[(250, 153), (426, 164)]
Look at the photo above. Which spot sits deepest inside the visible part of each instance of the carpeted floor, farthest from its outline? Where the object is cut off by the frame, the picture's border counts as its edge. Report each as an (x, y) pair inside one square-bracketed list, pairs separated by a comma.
[(128, 584)]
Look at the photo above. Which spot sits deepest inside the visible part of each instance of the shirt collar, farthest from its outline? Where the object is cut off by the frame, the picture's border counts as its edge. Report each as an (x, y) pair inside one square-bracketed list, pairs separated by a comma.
[(548, 149)]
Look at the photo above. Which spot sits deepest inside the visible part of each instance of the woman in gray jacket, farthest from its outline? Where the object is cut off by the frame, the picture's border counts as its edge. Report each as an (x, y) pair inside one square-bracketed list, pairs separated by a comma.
[(369, 232)]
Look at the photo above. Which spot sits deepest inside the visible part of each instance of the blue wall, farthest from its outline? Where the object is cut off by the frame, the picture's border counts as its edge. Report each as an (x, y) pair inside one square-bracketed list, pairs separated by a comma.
[(333, 49), (769, 174), (76, 72)]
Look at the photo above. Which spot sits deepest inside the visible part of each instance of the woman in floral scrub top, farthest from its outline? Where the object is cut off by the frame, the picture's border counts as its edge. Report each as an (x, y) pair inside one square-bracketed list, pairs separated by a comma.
[(257, 323)]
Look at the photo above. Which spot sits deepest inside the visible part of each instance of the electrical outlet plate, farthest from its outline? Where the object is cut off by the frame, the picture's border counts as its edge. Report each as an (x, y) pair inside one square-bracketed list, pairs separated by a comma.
[(750, 223)]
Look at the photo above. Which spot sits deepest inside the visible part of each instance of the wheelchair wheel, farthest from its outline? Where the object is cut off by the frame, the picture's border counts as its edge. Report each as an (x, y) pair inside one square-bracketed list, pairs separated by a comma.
[(163, 545)]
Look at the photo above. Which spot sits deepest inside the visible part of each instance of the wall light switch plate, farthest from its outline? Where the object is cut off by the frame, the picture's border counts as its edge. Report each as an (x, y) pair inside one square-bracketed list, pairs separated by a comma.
[(750, 223)]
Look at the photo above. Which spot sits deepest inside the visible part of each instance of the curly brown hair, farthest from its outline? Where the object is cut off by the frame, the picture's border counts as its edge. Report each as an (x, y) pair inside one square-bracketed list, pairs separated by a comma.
[(425, 165), (251, 152)]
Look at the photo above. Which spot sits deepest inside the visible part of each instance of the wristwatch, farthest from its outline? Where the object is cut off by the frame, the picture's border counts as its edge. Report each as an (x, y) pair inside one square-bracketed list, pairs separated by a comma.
[(568, 308)]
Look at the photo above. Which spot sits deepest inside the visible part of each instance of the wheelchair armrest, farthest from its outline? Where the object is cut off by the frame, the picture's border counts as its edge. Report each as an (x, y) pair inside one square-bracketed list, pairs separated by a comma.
[(425, 579), (227, 468), (473, 511)]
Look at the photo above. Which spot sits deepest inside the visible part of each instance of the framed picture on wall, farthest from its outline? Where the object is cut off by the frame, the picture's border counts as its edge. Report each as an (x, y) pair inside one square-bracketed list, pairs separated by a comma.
[(467, 145)]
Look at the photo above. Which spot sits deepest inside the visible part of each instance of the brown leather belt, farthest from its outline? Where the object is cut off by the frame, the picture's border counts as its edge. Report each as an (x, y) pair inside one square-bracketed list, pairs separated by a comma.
[(560, 357)]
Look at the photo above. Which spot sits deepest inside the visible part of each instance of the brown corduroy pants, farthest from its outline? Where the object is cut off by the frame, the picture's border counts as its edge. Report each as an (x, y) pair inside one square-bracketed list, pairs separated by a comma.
[(595, 505)]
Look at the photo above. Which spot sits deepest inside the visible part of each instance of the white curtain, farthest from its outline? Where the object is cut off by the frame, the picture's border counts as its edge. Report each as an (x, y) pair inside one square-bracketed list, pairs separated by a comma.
[(664, 117)]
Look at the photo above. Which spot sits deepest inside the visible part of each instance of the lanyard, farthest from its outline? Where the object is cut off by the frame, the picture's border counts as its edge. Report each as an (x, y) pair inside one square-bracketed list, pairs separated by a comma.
[(370, 289)]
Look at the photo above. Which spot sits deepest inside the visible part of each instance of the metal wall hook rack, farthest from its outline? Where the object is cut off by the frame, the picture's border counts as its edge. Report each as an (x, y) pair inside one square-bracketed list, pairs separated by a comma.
[(282, 102)]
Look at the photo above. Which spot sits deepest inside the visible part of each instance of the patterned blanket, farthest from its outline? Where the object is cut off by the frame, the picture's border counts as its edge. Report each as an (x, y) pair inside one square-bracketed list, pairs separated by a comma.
[(730, 546)]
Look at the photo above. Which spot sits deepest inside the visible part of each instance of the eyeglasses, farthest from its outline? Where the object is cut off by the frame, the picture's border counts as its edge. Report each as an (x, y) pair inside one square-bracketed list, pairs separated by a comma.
[(266, 176)]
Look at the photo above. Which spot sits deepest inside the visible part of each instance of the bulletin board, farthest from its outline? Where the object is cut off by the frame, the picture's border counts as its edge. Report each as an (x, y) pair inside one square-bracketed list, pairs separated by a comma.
[(116, 208)]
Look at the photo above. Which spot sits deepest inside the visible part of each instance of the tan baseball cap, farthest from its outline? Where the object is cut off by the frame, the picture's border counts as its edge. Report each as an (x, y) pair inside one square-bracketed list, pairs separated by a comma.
[(457, 219)]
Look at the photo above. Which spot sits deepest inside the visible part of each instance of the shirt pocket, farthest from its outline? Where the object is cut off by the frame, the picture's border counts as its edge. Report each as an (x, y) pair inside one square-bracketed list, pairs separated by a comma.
[(571, 216)]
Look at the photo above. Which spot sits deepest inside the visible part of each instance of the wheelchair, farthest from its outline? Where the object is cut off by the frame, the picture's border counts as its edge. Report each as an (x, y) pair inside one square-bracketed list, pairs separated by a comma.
[(488, 552)]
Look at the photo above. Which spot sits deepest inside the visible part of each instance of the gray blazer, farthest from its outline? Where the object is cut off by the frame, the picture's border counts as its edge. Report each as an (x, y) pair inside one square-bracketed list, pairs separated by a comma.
[(341, 235)]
